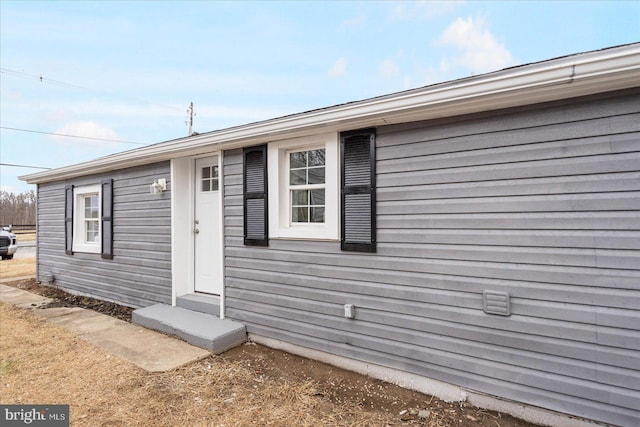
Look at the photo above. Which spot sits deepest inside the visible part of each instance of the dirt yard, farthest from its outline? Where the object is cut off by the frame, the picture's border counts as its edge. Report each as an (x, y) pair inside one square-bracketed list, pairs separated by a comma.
[(17, 267), (25, 236), (249, 385)]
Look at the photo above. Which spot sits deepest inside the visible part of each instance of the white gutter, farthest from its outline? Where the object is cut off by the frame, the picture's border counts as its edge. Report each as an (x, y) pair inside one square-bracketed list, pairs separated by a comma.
[(576, 75)]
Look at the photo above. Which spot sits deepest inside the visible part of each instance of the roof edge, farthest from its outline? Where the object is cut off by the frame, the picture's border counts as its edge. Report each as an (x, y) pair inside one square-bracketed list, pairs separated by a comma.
[(566, 77)]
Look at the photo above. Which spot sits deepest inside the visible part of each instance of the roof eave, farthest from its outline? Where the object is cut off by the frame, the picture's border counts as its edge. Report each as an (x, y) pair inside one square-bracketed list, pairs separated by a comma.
[(567, 77)]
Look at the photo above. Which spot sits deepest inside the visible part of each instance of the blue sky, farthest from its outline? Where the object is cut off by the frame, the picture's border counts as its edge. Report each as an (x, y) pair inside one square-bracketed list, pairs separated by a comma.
[(127, 71)]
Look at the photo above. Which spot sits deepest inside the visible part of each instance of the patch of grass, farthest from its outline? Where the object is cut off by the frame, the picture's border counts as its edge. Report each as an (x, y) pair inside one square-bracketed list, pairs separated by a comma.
[(17, 267), (25, 236), (7, 366)]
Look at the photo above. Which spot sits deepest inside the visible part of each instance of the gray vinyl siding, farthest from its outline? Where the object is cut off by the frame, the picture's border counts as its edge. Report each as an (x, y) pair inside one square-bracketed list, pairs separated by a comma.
[(541, 202), (140, 272)]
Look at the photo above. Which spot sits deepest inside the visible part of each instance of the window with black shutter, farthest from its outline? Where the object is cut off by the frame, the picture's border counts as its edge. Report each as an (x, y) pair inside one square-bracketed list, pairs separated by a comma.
[(358, 204), (256, 197), (88, 212)]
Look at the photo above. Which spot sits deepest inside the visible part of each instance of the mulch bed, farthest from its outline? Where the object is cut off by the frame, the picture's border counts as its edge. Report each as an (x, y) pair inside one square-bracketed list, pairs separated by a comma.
[(65, 299)]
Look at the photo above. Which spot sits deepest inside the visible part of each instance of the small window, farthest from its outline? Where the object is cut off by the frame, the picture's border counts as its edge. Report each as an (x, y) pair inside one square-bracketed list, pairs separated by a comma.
[(304, 188), (307, 186), (209, 178), (87, 219)]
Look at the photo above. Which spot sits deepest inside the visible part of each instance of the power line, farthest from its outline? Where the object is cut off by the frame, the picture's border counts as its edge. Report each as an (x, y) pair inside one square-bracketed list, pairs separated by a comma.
[(22, 166), (41, 78), (72, 136), (73, 86)]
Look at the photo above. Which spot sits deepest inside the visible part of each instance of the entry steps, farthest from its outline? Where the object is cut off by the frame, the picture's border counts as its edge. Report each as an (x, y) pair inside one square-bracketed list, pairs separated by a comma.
[(209, 304), (202, 330)]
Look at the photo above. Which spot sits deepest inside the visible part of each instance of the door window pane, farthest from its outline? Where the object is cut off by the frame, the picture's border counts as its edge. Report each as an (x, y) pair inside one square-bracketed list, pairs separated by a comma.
[(209, 179)]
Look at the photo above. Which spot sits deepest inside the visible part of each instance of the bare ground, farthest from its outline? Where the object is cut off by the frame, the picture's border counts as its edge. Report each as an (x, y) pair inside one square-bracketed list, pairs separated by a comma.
[(25, 236), (249, 385), (17, 267)]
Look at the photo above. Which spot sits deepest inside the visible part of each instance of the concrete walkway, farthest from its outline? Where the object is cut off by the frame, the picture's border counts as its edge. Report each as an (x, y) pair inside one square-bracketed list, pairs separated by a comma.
[(151, 351)]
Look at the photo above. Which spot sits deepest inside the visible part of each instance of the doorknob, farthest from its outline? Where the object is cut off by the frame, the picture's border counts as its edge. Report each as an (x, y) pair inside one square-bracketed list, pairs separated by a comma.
[(196, 231), (196, 222)]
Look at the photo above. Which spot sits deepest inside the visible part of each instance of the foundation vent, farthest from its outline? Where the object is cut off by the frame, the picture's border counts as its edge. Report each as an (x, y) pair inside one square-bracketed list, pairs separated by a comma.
[(497, 303)]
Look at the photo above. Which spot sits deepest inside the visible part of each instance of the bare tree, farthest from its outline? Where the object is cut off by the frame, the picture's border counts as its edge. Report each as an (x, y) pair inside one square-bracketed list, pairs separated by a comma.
[(17, 209)]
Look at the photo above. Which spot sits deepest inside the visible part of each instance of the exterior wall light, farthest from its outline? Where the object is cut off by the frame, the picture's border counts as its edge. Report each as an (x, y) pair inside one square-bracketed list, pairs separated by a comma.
[(158, 186)]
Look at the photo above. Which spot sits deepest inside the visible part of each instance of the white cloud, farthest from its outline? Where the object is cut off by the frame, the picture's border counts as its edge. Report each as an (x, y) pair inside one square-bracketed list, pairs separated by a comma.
[(355, 22), (87, 129), (338, 69), (478, 48), (389, 68)]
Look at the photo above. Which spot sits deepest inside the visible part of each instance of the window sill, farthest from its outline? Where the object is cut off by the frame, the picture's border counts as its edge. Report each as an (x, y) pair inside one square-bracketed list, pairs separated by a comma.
[(87, 249), (306, 239), (321, 232)]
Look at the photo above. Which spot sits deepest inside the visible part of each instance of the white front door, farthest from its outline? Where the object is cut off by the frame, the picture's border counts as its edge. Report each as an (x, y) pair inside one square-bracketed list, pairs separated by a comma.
[(206, 227)]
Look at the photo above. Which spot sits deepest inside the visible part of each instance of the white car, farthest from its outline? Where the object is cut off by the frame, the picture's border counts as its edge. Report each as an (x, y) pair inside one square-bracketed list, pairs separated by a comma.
[(8, 244)]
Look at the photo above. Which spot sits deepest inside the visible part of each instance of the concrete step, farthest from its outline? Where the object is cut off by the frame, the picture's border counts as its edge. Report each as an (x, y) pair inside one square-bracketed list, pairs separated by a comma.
[(209, 304), (199, 329)]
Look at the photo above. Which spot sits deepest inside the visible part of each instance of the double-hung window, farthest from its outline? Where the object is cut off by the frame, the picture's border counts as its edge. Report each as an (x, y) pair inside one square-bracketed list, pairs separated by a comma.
[(320, 187), (91, 218), (87, 219), (303, 188)]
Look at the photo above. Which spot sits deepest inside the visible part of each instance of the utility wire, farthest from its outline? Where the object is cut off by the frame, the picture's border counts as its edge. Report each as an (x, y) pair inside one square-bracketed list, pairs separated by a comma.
[(41, 78), (73, 136), (70, 85), (22, 166)]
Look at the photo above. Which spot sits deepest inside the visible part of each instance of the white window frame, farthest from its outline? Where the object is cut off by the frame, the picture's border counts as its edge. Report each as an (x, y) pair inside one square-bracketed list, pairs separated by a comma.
[(79, 235), (280, 225)]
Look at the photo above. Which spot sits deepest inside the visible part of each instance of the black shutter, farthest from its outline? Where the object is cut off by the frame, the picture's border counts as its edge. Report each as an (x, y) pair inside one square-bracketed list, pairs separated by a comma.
[(358, 160), (107, 218), (256, 196), (68, 219)]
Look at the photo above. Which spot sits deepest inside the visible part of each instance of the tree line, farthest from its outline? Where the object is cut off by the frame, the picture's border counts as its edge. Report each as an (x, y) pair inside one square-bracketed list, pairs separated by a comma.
[(17, 209)]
